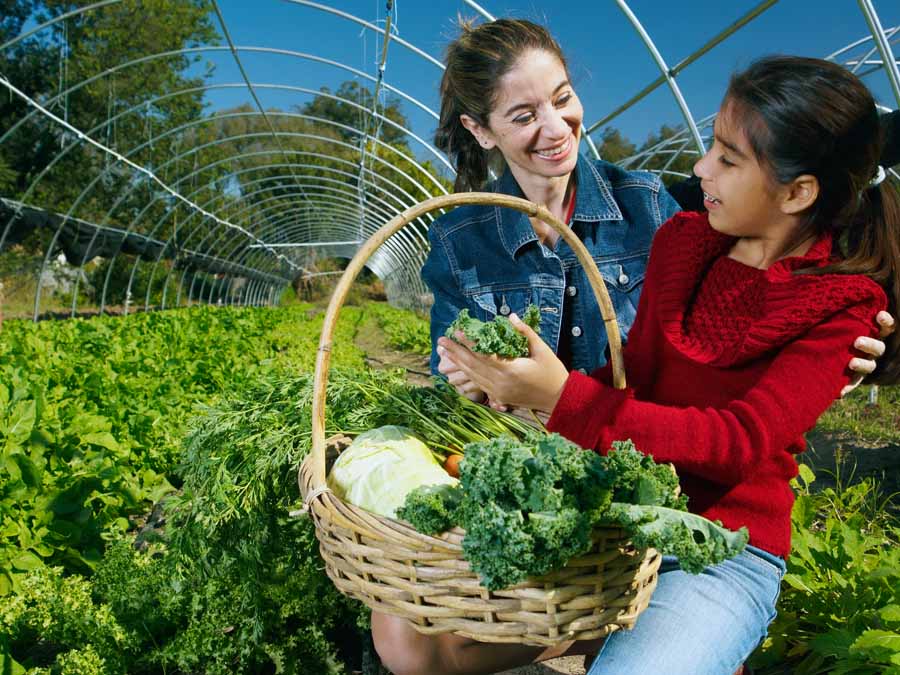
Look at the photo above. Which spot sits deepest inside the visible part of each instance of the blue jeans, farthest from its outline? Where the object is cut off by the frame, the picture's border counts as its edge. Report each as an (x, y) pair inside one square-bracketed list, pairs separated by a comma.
[(704, 624)]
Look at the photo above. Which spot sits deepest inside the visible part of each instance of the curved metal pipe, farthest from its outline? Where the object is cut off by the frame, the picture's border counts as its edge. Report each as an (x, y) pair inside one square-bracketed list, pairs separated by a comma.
[(667, 73), (884, 48)]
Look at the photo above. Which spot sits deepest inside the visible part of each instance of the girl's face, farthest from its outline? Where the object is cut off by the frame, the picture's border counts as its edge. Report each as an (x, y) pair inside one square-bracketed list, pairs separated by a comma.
[(536, 121), (742, 198)]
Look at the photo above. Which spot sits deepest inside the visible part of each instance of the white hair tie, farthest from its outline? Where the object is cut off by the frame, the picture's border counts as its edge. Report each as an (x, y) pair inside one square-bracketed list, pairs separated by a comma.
[(879, 177)]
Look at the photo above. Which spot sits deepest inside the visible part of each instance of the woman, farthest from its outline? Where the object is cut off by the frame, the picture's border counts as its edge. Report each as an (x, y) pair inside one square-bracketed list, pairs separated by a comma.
[(739, 344)]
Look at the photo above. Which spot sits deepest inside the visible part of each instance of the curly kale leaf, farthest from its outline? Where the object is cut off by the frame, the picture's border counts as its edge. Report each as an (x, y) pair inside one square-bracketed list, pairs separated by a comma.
[(432, 509), (696, 541), (528, 506), (497, 543), (498, 336), (640, 480)]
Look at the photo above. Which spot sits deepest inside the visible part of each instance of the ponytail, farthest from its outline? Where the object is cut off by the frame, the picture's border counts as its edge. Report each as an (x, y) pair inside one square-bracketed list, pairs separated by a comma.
[(469, 158), (872, 248)]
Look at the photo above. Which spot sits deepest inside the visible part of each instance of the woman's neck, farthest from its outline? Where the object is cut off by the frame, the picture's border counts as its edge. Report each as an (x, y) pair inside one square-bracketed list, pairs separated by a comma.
[(553, 193)]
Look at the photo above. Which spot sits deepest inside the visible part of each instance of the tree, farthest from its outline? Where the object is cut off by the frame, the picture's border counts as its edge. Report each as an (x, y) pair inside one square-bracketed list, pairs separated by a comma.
[(27, 65), (327, 107), (83, 47), (614, 147)]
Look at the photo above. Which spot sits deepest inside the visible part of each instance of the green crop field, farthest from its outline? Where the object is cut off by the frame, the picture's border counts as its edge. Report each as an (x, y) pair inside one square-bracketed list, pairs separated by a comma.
[(148, 467)]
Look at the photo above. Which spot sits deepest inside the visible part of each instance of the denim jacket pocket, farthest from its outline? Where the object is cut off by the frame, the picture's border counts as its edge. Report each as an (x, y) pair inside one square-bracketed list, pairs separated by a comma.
[(625, 279), (504, 301)]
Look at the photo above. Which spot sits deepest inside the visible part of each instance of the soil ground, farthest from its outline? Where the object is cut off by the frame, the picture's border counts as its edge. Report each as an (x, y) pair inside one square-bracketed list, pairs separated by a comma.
[(372, 341), (831, 457)]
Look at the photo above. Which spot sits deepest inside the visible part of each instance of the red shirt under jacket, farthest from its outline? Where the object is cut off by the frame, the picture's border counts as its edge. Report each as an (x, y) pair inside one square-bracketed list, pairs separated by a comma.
[(728, 366)]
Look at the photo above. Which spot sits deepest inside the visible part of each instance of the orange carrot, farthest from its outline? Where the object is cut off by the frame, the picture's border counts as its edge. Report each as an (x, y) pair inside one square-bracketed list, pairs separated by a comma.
[(451, 465)]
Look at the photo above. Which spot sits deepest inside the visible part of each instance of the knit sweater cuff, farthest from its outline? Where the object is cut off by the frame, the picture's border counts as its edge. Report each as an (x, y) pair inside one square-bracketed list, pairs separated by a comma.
[(585, 409)]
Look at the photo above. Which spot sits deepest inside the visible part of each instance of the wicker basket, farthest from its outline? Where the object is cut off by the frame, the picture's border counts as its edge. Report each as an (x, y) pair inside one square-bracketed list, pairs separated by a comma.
[(396, 570)]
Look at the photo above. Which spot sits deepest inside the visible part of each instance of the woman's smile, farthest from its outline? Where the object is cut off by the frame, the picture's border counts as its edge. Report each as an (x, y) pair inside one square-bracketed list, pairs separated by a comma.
[(557, 153)]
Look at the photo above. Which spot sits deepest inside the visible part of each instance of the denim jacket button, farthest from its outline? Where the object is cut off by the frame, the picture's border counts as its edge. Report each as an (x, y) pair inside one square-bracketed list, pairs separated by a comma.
[(504, 309), (623, 279), (576, 331), (572, 291)]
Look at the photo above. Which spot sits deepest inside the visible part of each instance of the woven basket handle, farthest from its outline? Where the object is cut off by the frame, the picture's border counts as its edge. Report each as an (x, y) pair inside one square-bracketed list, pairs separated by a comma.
[(323, 357)]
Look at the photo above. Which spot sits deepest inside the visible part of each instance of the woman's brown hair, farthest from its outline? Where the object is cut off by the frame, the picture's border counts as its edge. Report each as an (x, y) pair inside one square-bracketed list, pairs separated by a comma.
[(809, 116), (476, 61)]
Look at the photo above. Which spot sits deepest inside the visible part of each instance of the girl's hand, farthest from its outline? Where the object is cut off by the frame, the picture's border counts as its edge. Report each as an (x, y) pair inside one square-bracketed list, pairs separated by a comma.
[(875, 348), (460, 381), (530, 382)]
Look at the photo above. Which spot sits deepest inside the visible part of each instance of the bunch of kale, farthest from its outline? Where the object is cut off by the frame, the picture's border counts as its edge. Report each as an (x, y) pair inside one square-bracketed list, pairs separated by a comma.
[(530, 506), (495, 337)]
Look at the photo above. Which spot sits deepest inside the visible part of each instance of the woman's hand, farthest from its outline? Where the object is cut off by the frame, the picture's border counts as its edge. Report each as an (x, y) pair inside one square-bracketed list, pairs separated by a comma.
[(874, 348), (530, 382), (458, 378)]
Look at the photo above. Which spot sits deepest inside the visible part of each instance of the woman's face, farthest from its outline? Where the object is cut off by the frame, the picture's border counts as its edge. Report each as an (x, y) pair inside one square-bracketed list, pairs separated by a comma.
[(536, 120)]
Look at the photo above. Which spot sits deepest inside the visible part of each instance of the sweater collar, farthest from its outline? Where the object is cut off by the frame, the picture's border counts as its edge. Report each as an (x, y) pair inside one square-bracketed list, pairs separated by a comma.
[(593, 203), (780, 308)]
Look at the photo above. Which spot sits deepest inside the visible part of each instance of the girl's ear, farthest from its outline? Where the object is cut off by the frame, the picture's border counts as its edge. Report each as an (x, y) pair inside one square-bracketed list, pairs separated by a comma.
[(482, 135), (799, 194)]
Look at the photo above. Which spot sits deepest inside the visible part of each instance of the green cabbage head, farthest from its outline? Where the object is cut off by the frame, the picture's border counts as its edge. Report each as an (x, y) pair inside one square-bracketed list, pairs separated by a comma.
[(381, 467)]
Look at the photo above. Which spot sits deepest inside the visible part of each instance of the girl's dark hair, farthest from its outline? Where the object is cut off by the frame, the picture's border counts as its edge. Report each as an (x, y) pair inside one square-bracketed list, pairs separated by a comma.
[(476, 61), (808, 116)]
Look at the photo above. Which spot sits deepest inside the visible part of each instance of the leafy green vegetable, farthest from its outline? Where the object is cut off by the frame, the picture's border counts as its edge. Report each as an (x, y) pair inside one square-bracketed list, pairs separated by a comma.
[(432, 508), (381, 466), (640, 480), (498, 336), (696, 541), (92, 436), (527, 506), (530, 506), (839, 608)]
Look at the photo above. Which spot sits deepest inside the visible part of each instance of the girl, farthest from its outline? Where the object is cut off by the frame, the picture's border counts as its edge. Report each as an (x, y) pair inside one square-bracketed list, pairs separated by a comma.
[(739, 344)]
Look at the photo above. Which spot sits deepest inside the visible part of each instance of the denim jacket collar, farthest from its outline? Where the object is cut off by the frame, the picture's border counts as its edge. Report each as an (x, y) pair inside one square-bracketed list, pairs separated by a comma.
[(593, 203)]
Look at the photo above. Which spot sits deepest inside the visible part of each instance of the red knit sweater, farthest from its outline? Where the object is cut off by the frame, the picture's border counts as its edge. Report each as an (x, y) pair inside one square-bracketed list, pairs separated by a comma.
[(727, 366)]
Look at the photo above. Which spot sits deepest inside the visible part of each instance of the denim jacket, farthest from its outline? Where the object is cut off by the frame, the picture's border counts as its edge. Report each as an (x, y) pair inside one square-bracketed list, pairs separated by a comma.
[(489, 260)]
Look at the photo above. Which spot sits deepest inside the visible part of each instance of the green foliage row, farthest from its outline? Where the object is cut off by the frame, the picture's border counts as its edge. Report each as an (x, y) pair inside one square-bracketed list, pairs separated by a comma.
[(244, 605), (839, 610), (405, 330), (140, 613), (234, 585), (92, 413), (853, 416)]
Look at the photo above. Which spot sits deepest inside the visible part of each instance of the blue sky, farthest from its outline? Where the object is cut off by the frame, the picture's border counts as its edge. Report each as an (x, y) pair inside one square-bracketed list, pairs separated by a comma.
[(607, 58)]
